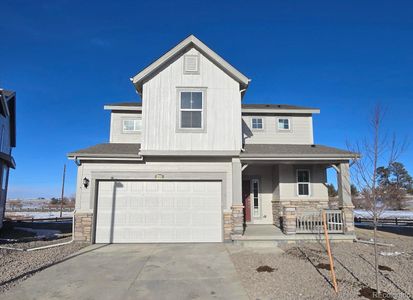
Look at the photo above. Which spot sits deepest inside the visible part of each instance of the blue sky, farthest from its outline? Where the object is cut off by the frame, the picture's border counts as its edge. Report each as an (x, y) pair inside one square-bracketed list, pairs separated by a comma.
[(66, 59)]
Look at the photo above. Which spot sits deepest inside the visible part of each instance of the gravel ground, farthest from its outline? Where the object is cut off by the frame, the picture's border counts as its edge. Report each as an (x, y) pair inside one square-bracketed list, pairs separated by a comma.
[(16, 266), (300, 271)]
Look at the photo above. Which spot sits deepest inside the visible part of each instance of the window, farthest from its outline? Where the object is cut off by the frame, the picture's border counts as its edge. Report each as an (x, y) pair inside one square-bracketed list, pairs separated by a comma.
[(191, 110), (255, 197), (257, 123), (303, 182), (191, 64), (132, 125), (284, 124)]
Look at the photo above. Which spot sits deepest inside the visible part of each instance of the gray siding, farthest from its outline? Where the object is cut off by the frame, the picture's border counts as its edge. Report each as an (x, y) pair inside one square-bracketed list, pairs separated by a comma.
[(186, 168), (301, 130), (223, 109), (116, 128)]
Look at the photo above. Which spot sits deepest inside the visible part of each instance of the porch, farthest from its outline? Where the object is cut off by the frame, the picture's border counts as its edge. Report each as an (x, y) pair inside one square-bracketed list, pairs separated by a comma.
[(271, 235), (283, 197)]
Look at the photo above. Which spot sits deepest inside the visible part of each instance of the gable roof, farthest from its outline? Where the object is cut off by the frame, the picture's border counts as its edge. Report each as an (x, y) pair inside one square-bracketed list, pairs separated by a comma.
[(190, 41)]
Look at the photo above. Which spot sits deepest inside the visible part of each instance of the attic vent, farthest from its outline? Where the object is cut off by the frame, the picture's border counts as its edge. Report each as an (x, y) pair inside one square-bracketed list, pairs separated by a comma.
[(191, 64)]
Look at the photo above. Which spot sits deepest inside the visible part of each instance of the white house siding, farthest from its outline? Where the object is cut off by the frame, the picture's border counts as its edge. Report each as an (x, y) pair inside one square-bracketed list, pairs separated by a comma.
[(288, 183), (83, 195), (301, 130), (116, 128), (265, 175), (223, 109)]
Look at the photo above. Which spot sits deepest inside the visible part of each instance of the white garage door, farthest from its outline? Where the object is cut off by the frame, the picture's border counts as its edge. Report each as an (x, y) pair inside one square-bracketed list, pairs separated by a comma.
[(159, 211)]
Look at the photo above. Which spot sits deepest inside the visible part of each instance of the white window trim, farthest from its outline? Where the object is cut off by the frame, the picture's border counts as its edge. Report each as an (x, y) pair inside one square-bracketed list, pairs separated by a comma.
[(309, 183), (203, 110), (282, 129), (134, 130), (257, 129)]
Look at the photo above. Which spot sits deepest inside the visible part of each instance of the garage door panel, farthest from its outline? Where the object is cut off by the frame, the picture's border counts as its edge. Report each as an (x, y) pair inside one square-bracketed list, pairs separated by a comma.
[(159, 211)]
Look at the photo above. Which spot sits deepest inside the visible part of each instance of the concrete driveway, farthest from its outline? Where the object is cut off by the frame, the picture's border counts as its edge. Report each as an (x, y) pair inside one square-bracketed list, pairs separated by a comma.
[(155, 271)]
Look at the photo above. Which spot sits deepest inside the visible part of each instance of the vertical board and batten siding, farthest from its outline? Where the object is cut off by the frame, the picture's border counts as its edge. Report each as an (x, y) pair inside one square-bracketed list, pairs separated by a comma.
[(116, 128), (160, 109), (301, 130)]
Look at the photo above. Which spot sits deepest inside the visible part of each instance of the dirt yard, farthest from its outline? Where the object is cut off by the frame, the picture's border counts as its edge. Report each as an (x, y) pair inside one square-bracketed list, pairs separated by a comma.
[(302, 271), (16, 266)]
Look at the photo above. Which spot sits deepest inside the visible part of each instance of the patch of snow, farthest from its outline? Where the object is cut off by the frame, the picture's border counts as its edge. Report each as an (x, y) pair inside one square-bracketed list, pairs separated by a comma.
[(390, 214), (39, 214), (390, 253)]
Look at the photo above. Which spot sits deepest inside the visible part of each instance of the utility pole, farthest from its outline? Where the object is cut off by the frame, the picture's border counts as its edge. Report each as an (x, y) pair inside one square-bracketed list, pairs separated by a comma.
[(63, 190)]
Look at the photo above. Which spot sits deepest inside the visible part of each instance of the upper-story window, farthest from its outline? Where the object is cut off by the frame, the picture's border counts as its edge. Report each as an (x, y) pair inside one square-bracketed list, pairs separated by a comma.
[(191, 110), (303, 182), (283, 124), (131, 125), (257, 123)]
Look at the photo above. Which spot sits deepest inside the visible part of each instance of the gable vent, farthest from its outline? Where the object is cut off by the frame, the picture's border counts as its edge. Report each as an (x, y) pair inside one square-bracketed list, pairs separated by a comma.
[(191, 64)]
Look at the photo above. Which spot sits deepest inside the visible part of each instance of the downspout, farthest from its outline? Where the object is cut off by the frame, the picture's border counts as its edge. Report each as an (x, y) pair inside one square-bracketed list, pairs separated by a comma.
[(47, 246)]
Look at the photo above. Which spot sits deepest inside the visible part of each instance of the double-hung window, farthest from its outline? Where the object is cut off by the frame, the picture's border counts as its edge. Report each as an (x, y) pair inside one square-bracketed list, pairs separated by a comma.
[(303, 182), (257, 123), (191, 109), (283, 124), (132, 125)]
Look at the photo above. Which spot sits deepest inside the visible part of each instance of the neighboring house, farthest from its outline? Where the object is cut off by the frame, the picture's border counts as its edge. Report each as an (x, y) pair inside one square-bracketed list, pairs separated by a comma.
[(7, 142), (191, 163)]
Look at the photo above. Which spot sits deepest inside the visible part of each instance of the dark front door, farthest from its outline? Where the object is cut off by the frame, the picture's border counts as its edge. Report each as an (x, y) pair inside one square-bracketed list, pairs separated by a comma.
[(246, 199)]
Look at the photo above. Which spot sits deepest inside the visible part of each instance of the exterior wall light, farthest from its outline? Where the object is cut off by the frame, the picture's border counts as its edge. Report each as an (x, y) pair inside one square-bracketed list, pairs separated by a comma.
[(86, 182)]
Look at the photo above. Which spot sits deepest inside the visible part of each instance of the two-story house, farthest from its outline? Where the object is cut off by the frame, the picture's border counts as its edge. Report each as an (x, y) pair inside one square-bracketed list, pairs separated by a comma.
[(7, 143), (192, 163)]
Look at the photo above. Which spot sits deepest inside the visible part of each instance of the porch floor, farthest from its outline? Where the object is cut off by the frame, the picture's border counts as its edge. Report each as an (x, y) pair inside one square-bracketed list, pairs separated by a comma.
[(272, 235)]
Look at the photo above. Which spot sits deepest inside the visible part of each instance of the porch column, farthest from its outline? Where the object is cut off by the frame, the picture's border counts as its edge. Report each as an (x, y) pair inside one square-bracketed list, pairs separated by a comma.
[(237, 206), (344, 196)]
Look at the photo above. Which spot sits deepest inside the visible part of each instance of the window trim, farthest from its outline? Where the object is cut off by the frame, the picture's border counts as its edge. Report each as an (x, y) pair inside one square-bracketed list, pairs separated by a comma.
[(197, 72), (131, 131), (299, 182), (203, 90), (262, 122), (289, 124)]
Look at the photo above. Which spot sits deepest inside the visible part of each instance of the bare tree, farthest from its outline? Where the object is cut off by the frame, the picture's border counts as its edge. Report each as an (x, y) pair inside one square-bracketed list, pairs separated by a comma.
[(377, 149)]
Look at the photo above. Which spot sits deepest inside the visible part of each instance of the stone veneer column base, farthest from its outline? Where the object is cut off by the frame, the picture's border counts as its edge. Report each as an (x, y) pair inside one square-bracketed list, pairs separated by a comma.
[(83, 227), (276, 212), (227, 225), (348, 218), (289, 220), (238, 219)]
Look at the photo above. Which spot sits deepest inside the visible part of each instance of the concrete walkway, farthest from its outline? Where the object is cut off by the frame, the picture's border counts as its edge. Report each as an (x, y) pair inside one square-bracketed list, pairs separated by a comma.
[(156, 271)]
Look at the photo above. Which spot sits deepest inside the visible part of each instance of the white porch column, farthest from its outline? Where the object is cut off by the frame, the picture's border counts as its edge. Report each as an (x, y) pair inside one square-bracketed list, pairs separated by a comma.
[(236, 182), (344, 196), (344, 185), (237, 206)]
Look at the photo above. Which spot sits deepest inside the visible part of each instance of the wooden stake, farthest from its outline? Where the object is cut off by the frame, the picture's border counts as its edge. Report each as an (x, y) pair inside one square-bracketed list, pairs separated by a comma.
[(63, 190), (330, 257)]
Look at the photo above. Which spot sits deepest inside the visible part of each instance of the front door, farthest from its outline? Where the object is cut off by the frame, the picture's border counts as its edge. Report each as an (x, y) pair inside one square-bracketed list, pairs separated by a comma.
[(246, 199)]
